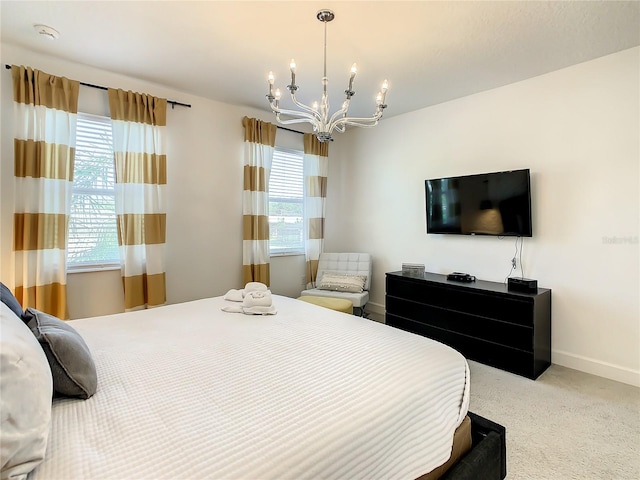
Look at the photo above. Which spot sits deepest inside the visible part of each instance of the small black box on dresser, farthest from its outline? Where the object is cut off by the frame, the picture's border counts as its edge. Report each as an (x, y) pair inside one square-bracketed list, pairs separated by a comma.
[(524, 285), (485, 321)]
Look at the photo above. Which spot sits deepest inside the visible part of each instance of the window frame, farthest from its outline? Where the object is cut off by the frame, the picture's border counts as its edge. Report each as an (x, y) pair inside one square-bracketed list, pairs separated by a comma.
[(108, 264), (290, 250)]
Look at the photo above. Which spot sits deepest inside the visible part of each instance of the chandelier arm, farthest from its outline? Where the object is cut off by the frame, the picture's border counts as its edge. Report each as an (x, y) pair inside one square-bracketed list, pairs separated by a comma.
[(292, 113), (357, 122), (342, 111), (304, 107), (352, 120), (294, 120), (304, 117), (362, 125)]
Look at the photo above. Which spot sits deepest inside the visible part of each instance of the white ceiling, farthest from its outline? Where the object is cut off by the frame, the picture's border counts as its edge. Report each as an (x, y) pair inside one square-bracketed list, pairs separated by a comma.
[(430, 51)]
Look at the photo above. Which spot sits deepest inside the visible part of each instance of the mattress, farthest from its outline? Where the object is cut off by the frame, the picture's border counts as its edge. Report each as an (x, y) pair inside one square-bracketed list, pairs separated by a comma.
[(462, 443), (189, 391)]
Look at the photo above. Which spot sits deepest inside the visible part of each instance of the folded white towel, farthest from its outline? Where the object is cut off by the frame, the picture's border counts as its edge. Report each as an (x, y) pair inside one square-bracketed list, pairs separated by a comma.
[(259, 310), (254, 287), (234, 295), (257, 299), (232, 309)]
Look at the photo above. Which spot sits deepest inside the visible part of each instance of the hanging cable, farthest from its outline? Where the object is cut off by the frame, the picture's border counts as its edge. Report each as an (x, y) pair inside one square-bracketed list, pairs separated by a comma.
[(514, 263), (521, 264)]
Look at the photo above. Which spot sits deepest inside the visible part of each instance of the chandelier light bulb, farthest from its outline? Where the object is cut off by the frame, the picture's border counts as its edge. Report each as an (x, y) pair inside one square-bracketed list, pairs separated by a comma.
[(278, 94), (271, 78), (292, 66), (315, 106), (385, 86), (354, 69)]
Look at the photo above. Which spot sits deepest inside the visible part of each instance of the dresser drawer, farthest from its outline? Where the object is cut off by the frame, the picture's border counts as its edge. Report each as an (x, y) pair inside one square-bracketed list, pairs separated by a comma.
[(500, 356), (514, 335), (465, 300)]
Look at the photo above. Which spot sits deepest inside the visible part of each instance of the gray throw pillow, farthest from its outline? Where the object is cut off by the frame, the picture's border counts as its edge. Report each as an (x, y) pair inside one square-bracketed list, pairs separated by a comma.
[(10, 300), (74, 373)]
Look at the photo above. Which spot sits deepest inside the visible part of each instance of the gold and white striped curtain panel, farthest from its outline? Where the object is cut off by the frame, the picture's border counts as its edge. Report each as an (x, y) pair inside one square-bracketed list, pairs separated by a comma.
[(139, 122), (316, 169), (45, 109), (259, 144)]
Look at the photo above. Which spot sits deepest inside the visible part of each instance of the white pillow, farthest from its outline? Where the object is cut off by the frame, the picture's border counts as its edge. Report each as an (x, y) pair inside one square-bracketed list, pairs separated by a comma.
[(341, 282), (25, 404)]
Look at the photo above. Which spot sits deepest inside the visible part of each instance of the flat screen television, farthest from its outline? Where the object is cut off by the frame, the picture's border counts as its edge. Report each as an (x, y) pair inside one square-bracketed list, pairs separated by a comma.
[(497, 203)]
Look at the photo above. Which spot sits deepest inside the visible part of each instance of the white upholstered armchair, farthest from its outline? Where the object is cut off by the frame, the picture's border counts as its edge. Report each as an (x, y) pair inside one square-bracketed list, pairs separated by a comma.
[(347, 264)]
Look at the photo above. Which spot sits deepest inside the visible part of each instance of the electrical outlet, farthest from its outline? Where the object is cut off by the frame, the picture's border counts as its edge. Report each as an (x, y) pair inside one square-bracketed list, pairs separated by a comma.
[(513, 262)]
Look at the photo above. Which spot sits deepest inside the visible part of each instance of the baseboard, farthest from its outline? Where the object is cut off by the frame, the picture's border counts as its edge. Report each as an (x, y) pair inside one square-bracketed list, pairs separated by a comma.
[(596, 367), (565, 359), (376, 311)]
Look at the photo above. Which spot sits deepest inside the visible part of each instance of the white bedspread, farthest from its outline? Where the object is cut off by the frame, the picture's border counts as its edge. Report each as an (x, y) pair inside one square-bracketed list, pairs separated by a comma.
[(189, 392)]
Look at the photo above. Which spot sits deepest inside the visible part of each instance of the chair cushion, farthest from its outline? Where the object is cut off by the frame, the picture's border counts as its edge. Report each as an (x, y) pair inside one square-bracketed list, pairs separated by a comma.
[(341, 282), (337, 304), (358, 299)]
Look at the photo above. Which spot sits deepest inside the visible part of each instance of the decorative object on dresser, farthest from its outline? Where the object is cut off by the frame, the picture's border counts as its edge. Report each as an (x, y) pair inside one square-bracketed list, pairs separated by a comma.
[(483, 320), (461, 277), (525, 285), (413, 269)]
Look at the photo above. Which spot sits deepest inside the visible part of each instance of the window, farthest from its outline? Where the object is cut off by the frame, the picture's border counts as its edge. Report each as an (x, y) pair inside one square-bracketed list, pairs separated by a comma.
[(93, 237), (286, 195)]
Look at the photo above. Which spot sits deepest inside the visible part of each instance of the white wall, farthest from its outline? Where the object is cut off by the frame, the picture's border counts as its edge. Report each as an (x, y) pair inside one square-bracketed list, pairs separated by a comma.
[(204, 217), (577, 130)]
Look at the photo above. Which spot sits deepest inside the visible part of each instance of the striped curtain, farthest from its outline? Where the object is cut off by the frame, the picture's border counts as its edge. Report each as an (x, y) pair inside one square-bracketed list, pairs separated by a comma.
[(45, 110), (316, 169), (138, 122), (259, 144)]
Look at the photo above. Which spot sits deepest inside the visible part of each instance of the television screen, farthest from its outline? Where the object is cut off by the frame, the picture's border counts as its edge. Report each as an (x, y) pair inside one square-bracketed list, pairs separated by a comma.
[(497, 203)]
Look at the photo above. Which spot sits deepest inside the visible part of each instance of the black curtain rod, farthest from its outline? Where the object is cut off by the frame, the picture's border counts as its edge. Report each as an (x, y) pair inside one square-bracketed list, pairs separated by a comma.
[(289, 130), (173, 103)]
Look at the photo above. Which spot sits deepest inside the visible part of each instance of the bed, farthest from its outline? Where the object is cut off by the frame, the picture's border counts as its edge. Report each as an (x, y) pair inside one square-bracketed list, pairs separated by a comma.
[(190, 391)]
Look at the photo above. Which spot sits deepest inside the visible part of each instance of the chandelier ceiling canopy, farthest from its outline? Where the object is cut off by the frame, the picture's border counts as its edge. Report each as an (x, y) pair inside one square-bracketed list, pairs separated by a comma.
[(318, 113)]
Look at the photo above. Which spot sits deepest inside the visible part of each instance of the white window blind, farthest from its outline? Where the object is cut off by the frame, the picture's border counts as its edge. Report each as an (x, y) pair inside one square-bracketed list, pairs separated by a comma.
[(286, 190), (93, 240)]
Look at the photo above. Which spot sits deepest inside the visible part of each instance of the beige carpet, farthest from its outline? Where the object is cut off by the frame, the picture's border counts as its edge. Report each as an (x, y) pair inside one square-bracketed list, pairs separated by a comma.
[(565, 425)]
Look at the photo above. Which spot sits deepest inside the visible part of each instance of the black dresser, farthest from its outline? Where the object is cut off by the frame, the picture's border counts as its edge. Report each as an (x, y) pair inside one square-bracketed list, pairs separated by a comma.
[(482, 320)]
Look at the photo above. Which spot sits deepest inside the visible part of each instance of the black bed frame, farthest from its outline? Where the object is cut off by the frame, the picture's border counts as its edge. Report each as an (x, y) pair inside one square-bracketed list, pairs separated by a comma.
[(487, 459)]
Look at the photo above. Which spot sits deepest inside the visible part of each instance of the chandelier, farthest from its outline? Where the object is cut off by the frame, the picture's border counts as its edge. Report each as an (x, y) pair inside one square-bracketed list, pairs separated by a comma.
[(318, 114)]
